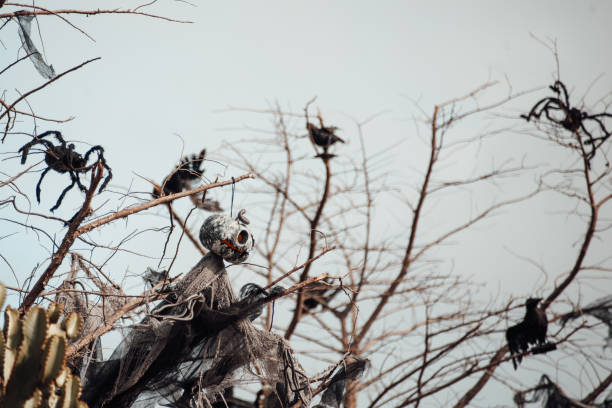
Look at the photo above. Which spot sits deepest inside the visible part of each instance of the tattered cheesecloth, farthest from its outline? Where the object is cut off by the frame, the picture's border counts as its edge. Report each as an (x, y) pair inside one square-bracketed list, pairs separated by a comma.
[(199, 341)]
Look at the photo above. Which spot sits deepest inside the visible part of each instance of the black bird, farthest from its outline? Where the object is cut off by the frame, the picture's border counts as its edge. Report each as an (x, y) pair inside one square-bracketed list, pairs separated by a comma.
[(323, 136), (187, 171), (318, 293), (532, 330), (352, 369)]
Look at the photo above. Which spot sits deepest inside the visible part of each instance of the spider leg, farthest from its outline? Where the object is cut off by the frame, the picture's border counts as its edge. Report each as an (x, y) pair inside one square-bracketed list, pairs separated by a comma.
[(598, 115), (96, 148), (595, 118), (74, 175), (101, 158), (40, 181), (61, 197), (25, 149), (533, 112), (550, 118), (591, 138), (561, 85), (108, 178), (55, 133)]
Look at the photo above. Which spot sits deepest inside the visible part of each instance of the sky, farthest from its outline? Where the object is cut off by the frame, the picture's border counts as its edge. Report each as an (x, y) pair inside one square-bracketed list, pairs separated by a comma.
[(163, 89)]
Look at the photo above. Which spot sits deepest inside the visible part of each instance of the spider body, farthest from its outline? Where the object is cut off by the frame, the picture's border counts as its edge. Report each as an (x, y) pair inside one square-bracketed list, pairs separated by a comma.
[(573, 119), (63, 158), (181, 177)]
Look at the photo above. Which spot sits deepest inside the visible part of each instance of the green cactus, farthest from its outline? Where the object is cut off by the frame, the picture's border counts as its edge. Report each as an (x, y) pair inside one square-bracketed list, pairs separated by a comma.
[(33, 372)]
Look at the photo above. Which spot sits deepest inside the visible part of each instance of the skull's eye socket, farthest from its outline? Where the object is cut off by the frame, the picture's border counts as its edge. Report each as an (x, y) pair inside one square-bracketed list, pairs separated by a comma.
[(243, 236)]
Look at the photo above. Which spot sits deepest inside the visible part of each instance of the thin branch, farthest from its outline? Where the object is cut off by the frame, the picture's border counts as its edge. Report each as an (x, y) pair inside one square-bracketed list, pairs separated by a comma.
[(82, 12), (55, 78), (71, 235), (162, 200)]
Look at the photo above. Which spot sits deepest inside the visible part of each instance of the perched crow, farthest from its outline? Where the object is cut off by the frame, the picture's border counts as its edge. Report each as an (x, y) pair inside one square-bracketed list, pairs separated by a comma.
[(532, 330), (323, 136), (352, 369), (187, 171), (318, 293), (182, 178)]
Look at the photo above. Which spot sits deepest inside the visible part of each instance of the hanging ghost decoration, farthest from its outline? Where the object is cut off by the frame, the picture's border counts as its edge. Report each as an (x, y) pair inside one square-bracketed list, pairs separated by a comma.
[(200, 341)]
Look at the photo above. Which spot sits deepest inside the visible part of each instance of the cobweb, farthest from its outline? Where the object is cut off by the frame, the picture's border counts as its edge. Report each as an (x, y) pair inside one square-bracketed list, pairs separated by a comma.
[(192, 347), (41, 66), (600, 309), (549, 395)]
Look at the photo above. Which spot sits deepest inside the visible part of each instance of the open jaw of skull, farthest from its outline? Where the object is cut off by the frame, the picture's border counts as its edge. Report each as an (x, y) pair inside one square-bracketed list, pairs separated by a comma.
[(229, 238)]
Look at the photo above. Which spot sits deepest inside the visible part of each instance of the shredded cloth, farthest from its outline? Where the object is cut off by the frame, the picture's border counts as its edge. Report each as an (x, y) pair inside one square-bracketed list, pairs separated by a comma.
[(44, 69), (551, 396), (600, 309), (192, 347), (94, 314)]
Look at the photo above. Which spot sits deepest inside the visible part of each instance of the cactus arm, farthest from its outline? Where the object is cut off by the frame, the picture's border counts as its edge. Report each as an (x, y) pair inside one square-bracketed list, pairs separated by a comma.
[(12, 331), (33, 372), (54, 358), (72, 391), (2, 295), (34, 401), (22, 382), (72, 325)]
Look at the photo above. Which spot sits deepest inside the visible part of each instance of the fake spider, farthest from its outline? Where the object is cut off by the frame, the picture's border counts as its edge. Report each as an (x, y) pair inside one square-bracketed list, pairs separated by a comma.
[(558, 110), (63, 159), (187, 171)]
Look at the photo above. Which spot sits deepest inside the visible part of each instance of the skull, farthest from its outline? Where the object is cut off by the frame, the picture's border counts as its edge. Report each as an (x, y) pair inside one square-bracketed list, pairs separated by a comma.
[(229, 238)]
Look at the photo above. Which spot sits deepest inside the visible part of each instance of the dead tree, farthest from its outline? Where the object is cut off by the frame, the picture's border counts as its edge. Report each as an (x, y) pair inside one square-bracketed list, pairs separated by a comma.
[(383, 298), (383, 280)]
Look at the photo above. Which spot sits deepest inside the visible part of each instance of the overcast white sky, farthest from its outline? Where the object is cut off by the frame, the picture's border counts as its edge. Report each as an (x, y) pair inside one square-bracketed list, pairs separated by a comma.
[(157, 80)]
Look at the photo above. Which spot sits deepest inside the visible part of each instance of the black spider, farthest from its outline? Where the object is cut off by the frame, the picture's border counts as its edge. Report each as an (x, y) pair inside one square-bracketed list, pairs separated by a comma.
[(180, 178), (559, 111), (63, 159)]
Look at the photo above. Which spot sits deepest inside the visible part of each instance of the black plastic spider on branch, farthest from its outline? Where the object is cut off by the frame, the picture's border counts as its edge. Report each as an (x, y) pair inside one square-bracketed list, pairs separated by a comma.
[(559, 111), (63, 159)]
